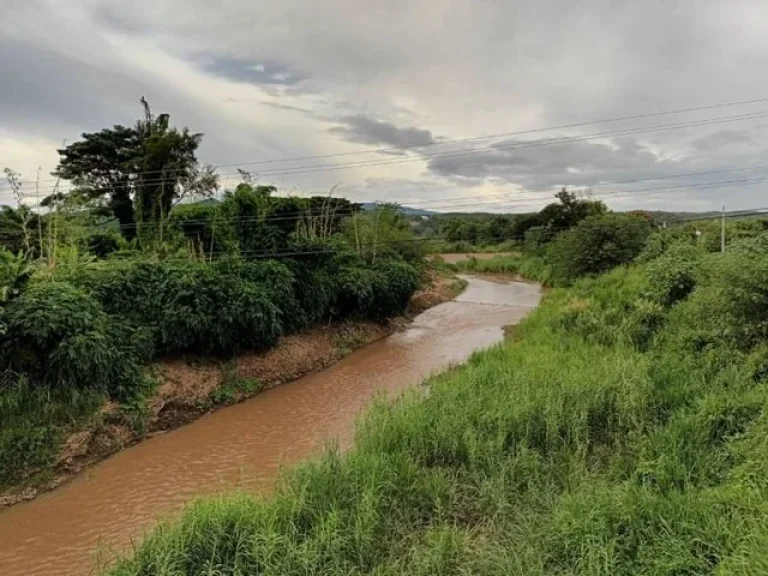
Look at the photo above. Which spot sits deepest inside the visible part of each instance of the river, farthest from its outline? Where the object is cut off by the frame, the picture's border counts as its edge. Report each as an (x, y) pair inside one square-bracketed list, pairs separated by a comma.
[(244, 446)]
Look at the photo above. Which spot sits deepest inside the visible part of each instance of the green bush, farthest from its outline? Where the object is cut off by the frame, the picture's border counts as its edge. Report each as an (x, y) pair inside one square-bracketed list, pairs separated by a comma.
[(536, 239), (102, 244), (662, 240), (213, 313), (597, 244), (397, 281), (673, 274), (354, 293), (278, 282), (60, 336)]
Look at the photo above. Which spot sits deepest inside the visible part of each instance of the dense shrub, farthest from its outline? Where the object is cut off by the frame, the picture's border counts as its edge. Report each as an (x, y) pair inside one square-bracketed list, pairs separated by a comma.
[(45, 315), (536, 239), (355, 292), (674, 273), (398, 280), (597, 244), (662, 240), (278, 282), (60, 336), (102, 244), (213, 313)]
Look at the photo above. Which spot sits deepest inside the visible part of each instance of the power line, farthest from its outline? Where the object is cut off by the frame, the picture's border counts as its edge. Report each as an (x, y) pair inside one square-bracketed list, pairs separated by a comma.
[(444, 203), (474, 138), (482, 201), (527, 145), (489, 201), (507, 134)]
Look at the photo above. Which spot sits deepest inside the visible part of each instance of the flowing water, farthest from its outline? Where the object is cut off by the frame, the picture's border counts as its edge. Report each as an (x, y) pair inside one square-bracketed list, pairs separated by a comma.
[(244, 446)]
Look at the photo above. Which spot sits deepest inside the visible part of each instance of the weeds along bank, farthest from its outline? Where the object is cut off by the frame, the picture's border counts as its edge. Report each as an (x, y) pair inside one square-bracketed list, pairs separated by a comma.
[(76, 335), (622, 431)]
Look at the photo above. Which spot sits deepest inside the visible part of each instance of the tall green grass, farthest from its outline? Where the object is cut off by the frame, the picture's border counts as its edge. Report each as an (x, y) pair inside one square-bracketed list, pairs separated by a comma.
[(614, 436), (529, 267)]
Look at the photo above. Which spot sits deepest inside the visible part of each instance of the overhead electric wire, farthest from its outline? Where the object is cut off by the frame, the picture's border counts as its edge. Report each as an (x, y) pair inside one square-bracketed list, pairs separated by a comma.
[(472, 138), (534, 144), (270, 254), (500, 199), (493, 203)]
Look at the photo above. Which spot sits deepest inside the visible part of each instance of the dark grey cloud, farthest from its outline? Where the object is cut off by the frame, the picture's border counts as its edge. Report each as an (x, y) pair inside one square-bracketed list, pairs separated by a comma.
[(47, 92), (621, 169), (364, 130), (256, 71), (523, 162)]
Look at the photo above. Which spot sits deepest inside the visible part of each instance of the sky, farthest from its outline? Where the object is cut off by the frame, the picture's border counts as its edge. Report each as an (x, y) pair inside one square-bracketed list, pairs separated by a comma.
[(450, 105)]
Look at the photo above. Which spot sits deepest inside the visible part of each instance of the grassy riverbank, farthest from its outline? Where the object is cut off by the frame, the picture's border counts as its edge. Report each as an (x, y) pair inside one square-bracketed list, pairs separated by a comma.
[(621, 431)]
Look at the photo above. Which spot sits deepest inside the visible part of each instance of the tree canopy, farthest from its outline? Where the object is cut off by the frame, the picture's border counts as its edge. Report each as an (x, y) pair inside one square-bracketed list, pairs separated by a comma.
[(137, 172)]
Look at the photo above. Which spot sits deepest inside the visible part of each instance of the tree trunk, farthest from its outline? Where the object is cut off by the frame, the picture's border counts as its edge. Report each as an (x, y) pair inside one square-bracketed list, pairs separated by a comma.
[(122, 208)]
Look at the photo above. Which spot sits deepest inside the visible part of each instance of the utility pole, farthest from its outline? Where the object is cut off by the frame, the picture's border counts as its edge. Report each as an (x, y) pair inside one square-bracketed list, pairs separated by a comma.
[(722, 232), (39, 217)]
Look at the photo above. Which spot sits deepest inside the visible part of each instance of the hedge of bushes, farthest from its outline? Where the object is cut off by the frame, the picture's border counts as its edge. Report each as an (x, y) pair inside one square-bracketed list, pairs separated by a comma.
[(70, 338)]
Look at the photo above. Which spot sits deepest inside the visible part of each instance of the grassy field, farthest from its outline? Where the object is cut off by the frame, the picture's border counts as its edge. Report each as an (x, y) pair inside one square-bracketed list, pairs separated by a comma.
[(621, 431)]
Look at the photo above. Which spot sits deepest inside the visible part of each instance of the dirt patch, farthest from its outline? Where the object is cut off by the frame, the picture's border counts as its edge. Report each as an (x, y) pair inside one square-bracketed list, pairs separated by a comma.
[(189, 388), (439, 289)]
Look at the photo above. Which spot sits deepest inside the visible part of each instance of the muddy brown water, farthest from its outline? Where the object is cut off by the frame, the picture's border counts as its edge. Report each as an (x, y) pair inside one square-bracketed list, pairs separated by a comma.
[(244, 446)]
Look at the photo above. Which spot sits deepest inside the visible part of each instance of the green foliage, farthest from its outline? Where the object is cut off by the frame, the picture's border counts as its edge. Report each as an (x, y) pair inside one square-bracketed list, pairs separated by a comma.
[(397, 281), (102, 244), (20, 230), (137, 172), (383, 233), (674, 274), (208, 312), (61, 337), (15, 272), (592, 444), (536, 239), (205, 227), (569, 211), (597, 244)]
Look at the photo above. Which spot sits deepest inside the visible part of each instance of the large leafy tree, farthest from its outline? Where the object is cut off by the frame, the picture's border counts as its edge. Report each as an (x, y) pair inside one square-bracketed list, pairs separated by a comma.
[(569, 211), (137, 172)]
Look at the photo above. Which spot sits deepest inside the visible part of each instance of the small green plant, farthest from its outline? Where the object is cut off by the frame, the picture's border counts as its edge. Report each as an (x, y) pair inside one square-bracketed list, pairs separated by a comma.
[(233, 386)]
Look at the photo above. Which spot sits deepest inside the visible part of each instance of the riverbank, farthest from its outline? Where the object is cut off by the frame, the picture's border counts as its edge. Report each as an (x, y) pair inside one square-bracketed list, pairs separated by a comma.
[(189, 388), (620, 431), (249, 445)]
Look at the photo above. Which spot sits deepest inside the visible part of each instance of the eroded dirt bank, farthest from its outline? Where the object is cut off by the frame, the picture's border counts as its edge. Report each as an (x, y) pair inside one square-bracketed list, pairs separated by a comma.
[(189, 388)]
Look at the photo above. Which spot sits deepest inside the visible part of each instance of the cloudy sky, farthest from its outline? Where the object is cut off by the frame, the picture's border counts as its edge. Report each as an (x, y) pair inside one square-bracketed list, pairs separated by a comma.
[(396, 100)]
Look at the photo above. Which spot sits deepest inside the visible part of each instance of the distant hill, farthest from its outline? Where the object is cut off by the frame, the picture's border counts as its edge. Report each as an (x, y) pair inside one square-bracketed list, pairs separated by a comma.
[(407, 210)]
